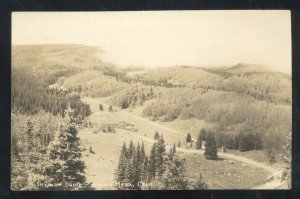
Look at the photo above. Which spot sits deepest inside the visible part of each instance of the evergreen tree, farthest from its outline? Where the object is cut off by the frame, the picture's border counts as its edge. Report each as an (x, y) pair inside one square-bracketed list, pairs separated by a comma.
[(159, 155), (199, 142), (64, 164), (188, 138), (144, 171), (142, 153), (138, 153), (130, 150), (243, 142), (211, 147), (174, 148), (179, 144), (171, 153), (101, 107), (236, 142), (120, 172), (152, 163), (156, 136), (136, 170), (129, 173)]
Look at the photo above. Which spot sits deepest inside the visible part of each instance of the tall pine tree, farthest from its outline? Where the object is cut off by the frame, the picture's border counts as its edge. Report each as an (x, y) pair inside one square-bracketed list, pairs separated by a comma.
[(188, 138), (152, 162), (174, 148), (211, 147), (64, 164), (199, 142), (159, 155), (120, 172)]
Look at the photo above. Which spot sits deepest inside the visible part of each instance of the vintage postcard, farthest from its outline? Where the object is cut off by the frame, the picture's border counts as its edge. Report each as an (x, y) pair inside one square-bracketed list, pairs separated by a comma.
[(151, 100)]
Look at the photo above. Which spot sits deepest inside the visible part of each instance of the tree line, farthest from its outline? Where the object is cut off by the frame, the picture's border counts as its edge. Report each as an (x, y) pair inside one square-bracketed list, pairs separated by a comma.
[(158, 170), (133, 97), (30, 94), (243, 141), (262, 94), (237, 113)]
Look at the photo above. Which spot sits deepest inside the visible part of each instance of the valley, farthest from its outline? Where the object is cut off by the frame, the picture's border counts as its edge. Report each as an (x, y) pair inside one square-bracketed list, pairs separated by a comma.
[(107, 147), (246, 108)]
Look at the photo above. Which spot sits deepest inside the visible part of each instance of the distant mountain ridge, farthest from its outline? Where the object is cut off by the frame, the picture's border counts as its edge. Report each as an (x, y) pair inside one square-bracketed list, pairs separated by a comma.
[(245, 67), (83, 56), (242, 77), (73, 55)]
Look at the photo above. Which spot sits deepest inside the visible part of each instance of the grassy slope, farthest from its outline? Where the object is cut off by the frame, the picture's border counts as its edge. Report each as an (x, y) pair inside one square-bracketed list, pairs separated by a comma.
[(180, 75), (95, 83), (223, 175)]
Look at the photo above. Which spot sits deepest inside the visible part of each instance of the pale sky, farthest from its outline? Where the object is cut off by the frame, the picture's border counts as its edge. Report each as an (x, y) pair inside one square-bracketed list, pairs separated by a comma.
[(166, 38)]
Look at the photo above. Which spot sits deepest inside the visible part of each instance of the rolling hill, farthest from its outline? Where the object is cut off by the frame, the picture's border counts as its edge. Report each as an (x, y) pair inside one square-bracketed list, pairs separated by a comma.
[(233, 102), (73, 55), (220, 95)]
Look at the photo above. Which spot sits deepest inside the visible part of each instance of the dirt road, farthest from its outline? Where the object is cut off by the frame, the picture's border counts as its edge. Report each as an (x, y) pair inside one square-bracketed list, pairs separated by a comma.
[(272, 184)]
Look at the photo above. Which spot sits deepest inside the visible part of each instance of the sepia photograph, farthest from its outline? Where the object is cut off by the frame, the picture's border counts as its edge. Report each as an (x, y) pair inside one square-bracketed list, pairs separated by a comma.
[(151, 100)]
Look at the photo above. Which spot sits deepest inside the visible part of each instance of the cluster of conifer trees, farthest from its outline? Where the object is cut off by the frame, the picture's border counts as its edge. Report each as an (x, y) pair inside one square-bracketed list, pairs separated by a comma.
[(121, 76), (45, 158), (159, 170), (53, 166), (30, 94), (242, 141), (132, 97)]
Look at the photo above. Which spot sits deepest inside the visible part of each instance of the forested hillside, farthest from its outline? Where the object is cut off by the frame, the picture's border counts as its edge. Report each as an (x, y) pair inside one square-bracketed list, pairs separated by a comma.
[(242, 98), (39, 114), (242, 108), (30, 93)]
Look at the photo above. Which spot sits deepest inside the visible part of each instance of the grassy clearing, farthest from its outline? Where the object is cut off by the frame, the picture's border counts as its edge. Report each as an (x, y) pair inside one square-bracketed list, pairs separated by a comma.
[(222, 174), (145, 129), (257, 155)]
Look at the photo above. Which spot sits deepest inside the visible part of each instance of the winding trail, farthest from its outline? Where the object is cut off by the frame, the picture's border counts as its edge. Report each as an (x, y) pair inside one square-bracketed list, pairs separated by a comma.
[(273, 183)]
